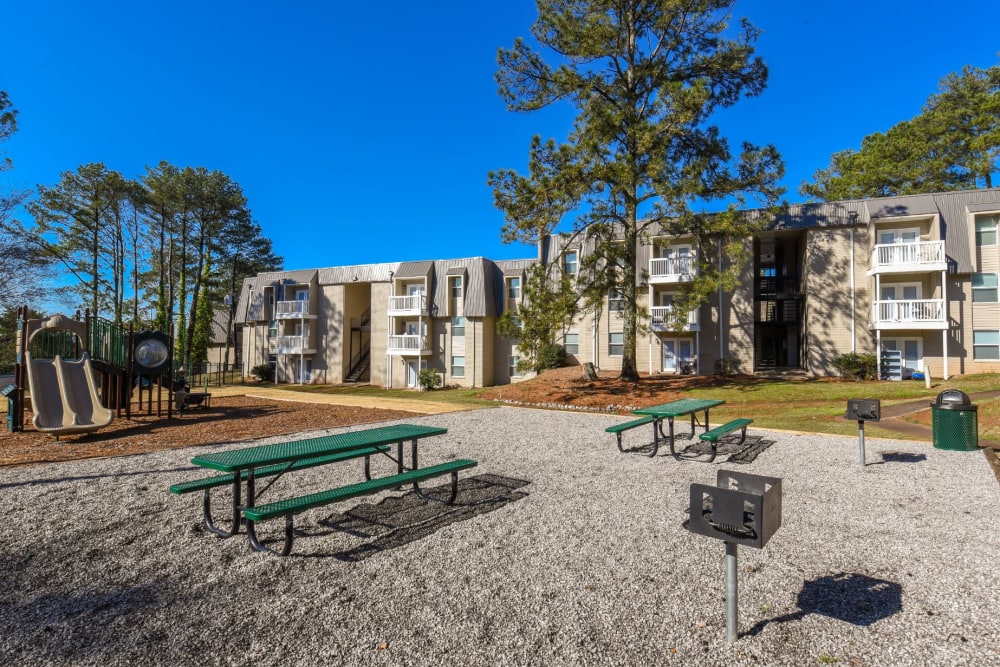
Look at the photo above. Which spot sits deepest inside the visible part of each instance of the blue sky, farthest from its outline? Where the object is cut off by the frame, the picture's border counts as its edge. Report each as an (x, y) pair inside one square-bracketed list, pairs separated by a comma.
[(363, 132)]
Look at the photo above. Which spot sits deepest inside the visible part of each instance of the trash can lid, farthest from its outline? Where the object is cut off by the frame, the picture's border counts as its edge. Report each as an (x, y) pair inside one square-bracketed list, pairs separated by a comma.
[(954, 399)]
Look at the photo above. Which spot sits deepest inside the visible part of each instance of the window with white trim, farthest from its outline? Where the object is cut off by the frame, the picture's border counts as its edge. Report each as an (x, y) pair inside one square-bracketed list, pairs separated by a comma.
[(571, 342), (616, 343), (458, 367), (457, 326), (456, 287), (984, 288), (986, 345), (986, 231), (514, 289), (272, 329), (571, 262)]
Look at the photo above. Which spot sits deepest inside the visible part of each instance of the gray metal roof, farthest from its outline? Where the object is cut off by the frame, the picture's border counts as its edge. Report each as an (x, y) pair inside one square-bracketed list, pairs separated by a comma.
[(414, 269), (361, 273), (901, 207)]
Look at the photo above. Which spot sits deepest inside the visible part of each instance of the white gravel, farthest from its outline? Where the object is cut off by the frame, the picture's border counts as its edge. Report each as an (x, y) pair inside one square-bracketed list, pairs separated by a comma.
[(561, 551)]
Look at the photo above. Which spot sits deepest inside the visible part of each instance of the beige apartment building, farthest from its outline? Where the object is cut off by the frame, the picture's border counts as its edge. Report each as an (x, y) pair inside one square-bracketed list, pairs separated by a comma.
[(911, 279)]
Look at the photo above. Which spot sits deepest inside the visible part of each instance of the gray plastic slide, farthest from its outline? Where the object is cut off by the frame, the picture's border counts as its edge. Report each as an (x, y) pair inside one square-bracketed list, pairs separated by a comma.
[(64, 396)]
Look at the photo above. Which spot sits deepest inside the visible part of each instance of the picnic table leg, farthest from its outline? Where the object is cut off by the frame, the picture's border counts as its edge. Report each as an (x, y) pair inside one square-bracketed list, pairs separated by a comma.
[(657, 432), (207, 511), (706, 423), (673, 452), (252, 530)]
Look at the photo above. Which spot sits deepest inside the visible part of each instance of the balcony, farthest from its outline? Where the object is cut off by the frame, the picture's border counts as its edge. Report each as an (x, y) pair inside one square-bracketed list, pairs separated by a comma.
[(408, 344), (292, 310), (672, 269), (415, 304), (909, 314), (293, 345), (660, 319), (908, 257)]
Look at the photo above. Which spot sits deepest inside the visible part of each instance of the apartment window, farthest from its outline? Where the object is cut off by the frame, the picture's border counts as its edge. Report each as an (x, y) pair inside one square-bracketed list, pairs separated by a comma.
[(986, 231), (570, 263), (616, 343), (457, 326), (984, 288), (458, 367), (514, 289), (272, 329), (572, 343), (456, 287), (616, 300), (986, 345)]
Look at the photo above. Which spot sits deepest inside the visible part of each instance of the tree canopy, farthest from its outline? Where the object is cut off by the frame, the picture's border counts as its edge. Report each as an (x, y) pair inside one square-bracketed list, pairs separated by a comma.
[(645, 77), (953, 144)]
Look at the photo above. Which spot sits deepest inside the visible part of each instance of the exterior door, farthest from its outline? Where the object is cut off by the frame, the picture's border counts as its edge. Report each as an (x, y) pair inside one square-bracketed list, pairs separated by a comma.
[(912, 349), (905, 292), (670, 356), (412, 373), (685, 352)]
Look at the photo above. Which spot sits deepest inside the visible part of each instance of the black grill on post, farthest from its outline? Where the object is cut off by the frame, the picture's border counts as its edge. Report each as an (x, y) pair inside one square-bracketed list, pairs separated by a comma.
[(863, 410), (740, 509)]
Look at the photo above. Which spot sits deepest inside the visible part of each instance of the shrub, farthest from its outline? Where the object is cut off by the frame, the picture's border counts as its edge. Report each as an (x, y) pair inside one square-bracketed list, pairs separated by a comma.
[(854, 366), (429, 379), (550, 355), (264, 372), (727, 366)]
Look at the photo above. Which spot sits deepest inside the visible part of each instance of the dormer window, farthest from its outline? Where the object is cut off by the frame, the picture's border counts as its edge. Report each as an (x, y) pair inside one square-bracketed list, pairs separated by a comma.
[(514, 289), (571, 262)]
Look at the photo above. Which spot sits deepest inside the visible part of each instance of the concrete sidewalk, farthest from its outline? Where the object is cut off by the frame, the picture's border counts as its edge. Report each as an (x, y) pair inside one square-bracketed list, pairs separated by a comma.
[(277, 394)]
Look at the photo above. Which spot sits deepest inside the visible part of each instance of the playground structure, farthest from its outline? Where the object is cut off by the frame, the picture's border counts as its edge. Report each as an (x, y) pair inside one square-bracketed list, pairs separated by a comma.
[(80, 374)]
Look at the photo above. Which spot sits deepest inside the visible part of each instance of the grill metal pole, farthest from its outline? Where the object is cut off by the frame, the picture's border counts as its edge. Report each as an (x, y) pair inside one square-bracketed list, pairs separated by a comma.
[(861, 440), (732, 594)]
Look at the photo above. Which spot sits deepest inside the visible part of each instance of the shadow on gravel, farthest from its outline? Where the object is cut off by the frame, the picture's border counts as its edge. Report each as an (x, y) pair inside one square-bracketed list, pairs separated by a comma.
[(747, 452), (397, 521), (901, 457), (853, 598)]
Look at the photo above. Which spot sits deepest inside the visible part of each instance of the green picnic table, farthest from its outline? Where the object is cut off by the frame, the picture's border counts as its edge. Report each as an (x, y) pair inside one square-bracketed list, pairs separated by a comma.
[(668, 411)]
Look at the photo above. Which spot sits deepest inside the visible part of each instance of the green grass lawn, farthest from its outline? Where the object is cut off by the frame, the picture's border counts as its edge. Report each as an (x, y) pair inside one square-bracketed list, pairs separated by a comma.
[(819, 406), (812, 405)]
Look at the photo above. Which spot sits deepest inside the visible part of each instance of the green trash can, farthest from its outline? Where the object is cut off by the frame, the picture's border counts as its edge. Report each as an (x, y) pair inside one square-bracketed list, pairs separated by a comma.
[(954, 421)]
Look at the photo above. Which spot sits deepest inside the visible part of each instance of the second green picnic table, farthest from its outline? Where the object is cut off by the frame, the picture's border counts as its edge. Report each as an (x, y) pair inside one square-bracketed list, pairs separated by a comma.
[(668, 411)]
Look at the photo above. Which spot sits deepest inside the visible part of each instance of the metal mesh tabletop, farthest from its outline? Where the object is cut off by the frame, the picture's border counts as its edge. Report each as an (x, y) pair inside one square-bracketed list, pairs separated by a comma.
[(252, 457), (677, 408)]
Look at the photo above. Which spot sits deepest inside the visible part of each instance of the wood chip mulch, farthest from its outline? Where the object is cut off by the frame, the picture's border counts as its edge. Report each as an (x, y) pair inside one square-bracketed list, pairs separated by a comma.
[(228, 419)]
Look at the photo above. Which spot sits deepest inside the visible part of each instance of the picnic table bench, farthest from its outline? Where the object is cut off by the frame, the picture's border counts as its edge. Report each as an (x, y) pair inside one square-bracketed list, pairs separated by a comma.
[(242, 467)]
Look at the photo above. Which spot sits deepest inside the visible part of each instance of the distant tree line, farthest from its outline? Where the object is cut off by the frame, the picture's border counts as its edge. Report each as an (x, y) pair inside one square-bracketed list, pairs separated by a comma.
[(167, 247), (953, 144)]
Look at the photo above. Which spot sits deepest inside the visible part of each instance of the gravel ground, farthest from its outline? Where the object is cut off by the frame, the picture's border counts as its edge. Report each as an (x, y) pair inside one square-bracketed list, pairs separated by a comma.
[(560, 551)]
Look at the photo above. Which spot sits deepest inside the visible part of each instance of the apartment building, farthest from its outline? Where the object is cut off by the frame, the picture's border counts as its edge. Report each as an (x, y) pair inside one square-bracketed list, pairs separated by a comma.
[(912, 279)]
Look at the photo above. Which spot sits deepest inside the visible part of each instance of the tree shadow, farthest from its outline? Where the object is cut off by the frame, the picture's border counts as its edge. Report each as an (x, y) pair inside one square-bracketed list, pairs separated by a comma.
[(853, 598)]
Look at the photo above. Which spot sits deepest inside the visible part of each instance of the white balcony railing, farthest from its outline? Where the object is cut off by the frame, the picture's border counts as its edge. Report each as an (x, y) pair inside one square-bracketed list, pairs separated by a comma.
[(291, 309), (900, 257), (909, 314), (408, 344), (660, 319), (413, 304), (292, 345), (672, 269)]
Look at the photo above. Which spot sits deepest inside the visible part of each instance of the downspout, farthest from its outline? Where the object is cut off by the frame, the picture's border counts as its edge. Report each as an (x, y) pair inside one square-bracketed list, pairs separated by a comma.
[(853, 304), (944, 333), (722, 328)]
